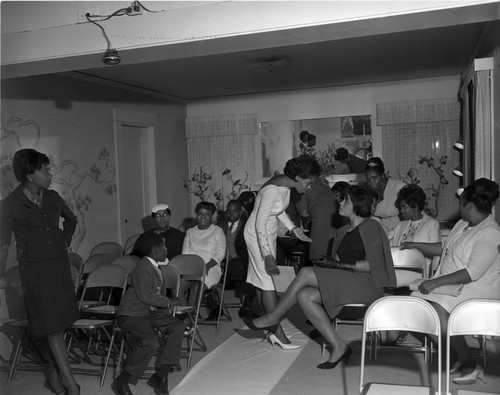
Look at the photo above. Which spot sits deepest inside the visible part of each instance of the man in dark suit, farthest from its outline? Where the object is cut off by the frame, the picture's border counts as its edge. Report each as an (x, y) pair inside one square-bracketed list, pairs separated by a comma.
[(143, 310), (237, 264)]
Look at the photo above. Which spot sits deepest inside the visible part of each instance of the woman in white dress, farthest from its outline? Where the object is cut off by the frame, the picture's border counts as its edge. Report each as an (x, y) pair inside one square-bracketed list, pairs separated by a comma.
[(262, 225), (469, 257)]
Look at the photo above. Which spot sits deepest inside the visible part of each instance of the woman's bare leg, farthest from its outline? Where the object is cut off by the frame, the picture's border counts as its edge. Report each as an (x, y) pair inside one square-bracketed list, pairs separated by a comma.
[(269, 300), (58, 349), (305, 278), (310, 301)]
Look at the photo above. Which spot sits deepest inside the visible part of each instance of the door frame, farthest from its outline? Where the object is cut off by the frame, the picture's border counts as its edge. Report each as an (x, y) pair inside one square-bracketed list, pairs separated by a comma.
[(149, 122)]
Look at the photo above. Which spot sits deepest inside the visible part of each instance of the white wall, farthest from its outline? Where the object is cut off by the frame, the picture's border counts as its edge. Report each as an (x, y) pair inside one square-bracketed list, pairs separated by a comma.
[(329, 102)]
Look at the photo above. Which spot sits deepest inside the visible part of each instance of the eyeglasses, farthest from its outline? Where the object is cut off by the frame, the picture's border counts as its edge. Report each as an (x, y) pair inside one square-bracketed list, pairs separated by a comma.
[(164, 215)]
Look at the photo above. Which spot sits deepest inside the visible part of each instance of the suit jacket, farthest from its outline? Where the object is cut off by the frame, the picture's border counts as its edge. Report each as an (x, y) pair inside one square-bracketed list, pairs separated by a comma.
[(239, 242), (144, 292), (37, 231)]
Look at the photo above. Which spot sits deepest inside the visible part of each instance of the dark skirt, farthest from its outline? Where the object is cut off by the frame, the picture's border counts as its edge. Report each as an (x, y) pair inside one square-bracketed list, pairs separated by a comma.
[(339, 287), (49, 295)]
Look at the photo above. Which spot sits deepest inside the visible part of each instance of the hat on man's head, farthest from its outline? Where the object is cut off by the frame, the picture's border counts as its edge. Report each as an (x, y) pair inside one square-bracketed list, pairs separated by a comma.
[(159, 207)]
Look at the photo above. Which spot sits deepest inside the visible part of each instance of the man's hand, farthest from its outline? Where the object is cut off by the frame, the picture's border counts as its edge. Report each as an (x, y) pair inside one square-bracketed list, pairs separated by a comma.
[(271, 265), (174, 301)]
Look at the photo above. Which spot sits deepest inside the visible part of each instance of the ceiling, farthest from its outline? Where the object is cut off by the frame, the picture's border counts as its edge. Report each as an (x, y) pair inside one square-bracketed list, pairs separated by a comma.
[(371, 58)]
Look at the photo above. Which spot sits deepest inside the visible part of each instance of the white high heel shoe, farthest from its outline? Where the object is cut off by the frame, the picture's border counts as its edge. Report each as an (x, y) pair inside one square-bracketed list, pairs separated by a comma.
[(477, 373), (274, 340)]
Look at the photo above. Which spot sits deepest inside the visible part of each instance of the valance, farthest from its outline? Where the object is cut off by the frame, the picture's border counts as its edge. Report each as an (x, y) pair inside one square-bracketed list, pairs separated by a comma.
[(221, 125), (428, 110)]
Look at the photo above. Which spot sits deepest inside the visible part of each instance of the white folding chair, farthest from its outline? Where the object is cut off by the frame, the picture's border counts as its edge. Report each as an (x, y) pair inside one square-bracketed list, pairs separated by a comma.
[(191, 268), (409, 265), (403, 313), (107, 247), (129, 244), (128, 262), (472, 317)]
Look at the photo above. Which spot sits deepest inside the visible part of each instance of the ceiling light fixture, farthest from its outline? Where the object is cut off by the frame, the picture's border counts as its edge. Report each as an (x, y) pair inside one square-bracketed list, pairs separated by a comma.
[(111, 56)]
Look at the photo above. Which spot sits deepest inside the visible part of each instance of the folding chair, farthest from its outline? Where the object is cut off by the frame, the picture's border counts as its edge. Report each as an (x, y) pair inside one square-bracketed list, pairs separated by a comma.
[(107, 247), (218, 292), (472, 317), (191, 268), (403, 313), (129, 244), (76, 261), (128, 262), (89, 266), (106, 278)]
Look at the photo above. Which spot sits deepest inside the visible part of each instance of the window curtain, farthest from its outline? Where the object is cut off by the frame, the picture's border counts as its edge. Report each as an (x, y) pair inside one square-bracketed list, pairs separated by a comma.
[(483, 131), (221, 142), (411, 129)]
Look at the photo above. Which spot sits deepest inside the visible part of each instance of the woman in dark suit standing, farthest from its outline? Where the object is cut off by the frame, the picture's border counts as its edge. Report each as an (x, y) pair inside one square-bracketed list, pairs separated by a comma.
[(32, 212)]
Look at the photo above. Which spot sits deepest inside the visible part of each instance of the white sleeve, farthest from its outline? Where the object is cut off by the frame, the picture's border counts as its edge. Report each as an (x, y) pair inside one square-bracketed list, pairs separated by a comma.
[(186, 243), (285, 220), (484, 254), (268, 199)]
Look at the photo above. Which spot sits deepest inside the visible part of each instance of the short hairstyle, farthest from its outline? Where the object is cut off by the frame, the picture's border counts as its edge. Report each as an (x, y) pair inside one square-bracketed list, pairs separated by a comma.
[(341, 154), (376, 164), (303, 135), (304, 166), (247, 199), (27, 161), (361, 199), (341, 187), (146, 243), (412, 195), (236, 202), (311, 137), (483, 193), (206, 206)]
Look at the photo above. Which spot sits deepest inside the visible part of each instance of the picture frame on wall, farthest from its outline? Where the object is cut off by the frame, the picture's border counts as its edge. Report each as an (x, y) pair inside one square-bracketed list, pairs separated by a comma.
[(278, 141)]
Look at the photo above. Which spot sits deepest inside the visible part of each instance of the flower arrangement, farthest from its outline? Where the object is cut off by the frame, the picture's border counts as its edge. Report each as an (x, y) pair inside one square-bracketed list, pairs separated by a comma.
[(200, 185), (412, 177)]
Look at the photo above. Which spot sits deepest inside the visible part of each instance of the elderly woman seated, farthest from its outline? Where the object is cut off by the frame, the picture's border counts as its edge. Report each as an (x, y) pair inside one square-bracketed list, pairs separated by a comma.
[(209, 242), (469, 266), (360, 272)]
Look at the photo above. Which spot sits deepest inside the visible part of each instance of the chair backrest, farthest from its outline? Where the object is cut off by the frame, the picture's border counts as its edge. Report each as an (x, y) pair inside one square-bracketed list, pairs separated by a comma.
[(128, 262), (189, 266), (129, 244), (107, 247), (171, 280), (75, 276), (409, 259), (472, 317), (106, 276), (97, 260), (401, 313)]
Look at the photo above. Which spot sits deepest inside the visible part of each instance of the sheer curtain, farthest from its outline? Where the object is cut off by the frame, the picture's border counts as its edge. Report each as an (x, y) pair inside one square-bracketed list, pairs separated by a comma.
[(411, 129), (221, 142), (482, 133)]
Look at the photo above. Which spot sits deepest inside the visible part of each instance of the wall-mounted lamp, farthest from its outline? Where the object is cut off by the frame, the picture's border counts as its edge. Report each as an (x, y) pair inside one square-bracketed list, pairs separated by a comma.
[(460, 191), (459, 144), (364, 153), (459, 171)]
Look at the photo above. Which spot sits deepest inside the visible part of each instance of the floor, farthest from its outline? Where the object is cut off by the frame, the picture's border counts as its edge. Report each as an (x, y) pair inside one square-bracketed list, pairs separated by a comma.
[(300, 377)]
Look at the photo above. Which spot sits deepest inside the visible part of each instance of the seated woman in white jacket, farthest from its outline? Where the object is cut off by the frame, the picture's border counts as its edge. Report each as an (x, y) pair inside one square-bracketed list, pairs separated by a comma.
[(416, 225)]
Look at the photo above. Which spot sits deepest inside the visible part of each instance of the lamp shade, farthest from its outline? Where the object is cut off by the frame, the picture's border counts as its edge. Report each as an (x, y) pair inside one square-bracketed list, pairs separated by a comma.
[(458, 171), (460, 191), (459, 143)]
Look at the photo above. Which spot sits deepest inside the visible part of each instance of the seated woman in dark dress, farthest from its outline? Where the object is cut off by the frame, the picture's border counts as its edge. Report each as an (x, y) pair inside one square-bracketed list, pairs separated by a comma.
[(359, 271)]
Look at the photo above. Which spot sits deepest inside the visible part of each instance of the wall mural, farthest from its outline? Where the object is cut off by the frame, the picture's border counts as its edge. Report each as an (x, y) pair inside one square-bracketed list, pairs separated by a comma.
[(68, 176)]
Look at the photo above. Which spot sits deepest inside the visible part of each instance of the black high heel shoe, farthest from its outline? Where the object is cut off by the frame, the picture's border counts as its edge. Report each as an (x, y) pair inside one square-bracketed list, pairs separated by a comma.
[(248, 320), (344, 357)]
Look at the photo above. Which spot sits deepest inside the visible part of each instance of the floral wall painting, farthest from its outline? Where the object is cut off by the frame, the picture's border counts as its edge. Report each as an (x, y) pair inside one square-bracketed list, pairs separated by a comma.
[(282, 140), (68, 177)]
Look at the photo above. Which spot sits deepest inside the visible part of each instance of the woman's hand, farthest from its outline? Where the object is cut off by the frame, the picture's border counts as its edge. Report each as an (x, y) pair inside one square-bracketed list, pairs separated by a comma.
[(325, 261), (299, 234), (210, 264), (271, 265), (427, 287), (407, 245)]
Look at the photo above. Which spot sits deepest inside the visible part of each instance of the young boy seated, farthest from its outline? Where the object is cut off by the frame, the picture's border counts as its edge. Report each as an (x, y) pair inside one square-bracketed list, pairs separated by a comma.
[(143, 310)]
